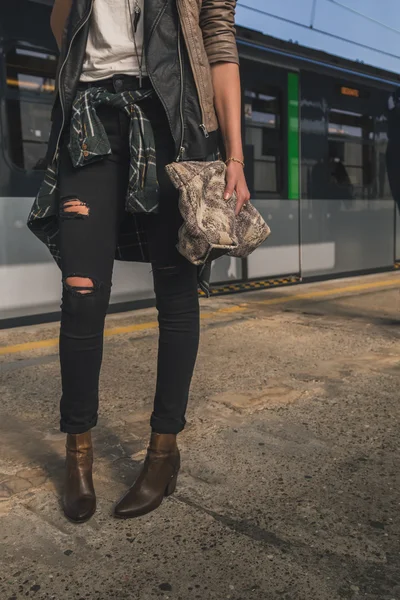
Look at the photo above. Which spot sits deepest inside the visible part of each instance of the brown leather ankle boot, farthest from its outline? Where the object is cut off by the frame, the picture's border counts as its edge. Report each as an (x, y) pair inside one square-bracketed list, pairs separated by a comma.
[(79, 501), (156, 480)]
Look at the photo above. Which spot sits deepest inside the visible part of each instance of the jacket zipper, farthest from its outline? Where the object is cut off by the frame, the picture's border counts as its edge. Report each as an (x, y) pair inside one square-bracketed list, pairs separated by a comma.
[(202, 125), (181, 147), (60, 73), (204, 130)]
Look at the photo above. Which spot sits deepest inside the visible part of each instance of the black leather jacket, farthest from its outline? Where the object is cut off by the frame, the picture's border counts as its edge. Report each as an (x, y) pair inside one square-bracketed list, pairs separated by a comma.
[(168, 67)]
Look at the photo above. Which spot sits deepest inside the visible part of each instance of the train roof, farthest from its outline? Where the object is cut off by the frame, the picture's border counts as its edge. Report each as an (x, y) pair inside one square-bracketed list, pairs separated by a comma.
[(295, 54)]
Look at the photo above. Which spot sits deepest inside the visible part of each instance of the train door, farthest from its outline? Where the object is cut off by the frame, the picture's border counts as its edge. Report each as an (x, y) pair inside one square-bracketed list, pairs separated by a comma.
[(392, 153), (347, 209), (271, 137)]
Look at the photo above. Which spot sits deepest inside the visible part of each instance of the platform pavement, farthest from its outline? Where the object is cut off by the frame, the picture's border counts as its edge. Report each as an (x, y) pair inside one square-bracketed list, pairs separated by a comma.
[(290, 484)]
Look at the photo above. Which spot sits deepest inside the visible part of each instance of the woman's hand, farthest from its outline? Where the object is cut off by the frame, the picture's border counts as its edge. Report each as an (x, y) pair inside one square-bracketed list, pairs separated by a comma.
[(236, 182)]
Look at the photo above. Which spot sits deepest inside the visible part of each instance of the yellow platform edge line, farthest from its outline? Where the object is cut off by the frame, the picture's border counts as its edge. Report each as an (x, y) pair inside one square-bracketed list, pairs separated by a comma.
[(228, 310), (50, 343)]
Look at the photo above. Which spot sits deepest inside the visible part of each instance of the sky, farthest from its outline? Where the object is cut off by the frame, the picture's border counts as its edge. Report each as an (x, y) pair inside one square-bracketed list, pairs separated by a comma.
[(336, 20)]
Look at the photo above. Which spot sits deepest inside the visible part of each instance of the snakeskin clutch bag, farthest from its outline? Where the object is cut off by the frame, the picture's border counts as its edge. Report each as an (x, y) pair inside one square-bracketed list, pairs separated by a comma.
[(210, 228)]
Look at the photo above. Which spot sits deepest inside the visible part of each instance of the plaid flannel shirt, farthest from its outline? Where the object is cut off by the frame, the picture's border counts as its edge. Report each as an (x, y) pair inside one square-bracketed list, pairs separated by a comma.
[(89, 143)]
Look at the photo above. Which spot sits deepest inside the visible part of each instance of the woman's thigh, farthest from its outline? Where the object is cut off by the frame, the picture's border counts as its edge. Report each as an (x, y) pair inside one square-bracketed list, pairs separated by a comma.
[(92, 200)]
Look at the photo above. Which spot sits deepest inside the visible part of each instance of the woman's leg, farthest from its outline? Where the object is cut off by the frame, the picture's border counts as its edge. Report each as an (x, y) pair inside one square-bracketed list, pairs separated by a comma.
[(175, 285), (91, 207)]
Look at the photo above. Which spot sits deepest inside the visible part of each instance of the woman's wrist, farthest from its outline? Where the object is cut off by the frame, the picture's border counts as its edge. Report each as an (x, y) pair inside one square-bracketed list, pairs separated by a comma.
[(233, 141), (235, 152)]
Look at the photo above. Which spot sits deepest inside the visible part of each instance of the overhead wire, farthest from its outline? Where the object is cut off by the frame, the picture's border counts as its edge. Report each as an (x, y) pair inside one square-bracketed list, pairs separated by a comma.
[(327, 33), (364, 16)]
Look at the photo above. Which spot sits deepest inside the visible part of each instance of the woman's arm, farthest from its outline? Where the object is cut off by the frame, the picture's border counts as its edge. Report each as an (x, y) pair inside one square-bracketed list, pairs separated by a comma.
[(227, 100), (58, 19), (217, 23)]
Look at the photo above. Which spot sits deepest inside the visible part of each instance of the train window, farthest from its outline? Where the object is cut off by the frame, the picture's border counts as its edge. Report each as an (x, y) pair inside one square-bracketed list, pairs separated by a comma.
[(262, 110), (351, 153), (29, 98)]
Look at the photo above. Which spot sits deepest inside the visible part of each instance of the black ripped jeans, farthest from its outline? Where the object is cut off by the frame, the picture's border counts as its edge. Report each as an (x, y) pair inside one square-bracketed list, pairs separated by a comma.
[(88, 243)]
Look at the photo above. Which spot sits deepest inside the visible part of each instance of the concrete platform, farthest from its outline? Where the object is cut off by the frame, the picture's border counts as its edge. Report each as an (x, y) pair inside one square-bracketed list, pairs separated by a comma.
[(290, 485)]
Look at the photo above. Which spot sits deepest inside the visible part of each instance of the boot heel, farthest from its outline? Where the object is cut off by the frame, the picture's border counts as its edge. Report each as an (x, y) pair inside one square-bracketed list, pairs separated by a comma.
[(171, 487)]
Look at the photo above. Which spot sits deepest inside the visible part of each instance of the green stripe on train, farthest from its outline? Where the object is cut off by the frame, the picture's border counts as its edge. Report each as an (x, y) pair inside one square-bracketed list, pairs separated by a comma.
[(293, 137)]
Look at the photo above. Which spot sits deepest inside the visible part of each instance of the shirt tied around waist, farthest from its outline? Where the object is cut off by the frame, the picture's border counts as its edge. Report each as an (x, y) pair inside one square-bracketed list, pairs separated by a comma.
[(89, 142)]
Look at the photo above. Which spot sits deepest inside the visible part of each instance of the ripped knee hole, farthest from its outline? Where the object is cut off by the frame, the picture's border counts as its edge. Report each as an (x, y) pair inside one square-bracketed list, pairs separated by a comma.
[(74, 208), (80, 285)]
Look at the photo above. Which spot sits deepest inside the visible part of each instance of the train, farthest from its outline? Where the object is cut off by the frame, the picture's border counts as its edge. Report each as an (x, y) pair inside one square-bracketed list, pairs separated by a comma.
[(315, 139)]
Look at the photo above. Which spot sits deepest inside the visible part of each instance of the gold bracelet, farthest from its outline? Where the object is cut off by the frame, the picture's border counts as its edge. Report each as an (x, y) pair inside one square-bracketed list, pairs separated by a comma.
[(233, 159)]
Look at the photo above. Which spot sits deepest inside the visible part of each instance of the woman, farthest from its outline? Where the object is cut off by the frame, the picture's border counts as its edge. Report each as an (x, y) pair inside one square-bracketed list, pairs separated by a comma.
[(141, 83)]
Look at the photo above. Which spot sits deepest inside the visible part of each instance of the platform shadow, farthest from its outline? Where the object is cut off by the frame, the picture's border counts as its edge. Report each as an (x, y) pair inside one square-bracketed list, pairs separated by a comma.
[(330, 308), (22, 443)]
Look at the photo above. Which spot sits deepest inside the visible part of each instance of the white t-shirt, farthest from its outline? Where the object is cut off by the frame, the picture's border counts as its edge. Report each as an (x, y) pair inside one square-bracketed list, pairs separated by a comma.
[(110, 46)]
